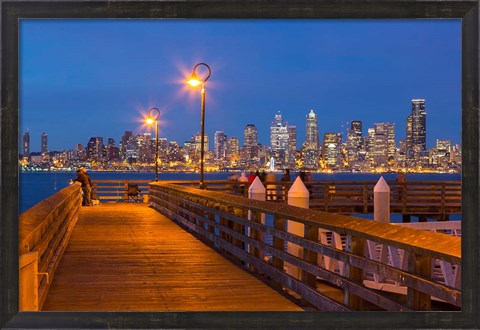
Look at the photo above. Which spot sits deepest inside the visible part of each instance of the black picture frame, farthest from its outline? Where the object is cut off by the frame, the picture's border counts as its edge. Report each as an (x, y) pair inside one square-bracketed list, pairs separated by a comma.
[(13, 11)]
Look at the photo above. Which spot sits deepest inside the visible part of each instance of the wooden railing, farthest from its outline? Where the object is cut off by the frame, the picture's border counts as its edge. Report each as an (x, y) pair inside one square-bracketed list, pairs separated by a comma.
[(44, 231), (117, 190), (436, 199), (412, 197), (254, 234)]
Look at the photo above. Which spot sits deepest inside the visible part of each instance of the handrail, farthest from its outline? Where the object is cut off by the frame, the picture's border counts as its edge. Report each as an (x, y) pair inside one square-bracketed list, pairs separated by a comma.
[(223, 220), (44, 231), (117, 190), (412, 197), (437, 199)]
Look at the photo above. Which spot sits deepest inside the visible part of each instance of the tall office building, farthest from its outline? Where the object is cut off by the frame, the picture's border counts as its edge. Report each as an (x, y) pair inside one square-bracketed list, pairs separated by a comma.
[(113, 152), (250, 142), (442, 153), (384, 144), (198, 144), (354, 140), (279, 140), (44, 143), (220, 145), (416, 135), (26, 144), (311, 146), (292, 146), (162, 149), (331, 148), (123, 144), (145, 147), (311, 139), (95, 149), (174, 152), (232, 149)]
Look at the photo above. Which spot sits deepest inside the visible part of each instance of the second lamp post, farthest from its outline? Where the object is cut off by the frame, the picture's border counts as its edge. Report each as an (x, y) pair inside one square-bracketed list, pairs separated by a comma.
[(195, 81), (150, 120)]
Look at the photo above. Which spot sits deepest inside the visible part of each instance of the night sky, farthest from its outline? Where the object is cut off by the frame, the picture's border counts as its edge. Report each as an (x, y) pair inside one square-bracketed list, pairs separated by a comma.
[(84, 78)]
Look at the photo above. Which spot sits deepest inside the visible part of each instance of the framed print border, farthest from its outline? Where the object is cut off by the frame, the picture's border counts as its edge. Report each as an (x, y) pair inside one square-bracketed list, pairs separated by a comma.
[(13, 11)]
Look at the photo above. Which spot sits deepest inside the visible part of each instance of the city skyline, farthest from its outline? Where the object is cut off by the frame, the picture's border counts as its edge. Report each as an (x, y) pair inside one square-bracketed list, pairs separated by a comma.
[(377, 150), (97, 78), (249, 140)]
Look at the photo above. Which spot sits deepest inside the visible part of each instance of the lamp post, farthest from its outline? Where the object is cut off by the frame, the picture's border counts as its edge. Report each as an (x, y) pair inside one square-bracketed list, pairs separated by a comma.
[(150, 120), (194, 81)]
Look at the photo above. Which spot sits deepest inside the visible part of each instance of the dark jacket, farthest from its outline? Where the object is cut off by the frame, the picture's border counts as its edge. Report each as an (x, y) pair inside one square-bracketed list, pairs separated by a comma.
[(82, 178), (89, 178)]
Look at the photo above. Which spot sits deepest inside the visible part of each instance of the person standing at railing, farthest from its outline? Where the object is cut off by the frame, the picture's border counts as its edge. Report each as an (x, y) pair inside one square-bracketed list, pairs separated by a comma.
[(270, 182), (401, 182), (243, 182), (86, 188), (84, 170), (285, 180)]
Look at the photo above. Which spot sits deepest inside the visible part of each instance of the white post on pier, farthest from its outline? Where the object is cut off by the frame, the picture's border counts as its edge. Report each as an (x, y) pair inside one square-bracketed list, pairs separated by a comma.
[(299, 196), (381, 201), (257, 192)]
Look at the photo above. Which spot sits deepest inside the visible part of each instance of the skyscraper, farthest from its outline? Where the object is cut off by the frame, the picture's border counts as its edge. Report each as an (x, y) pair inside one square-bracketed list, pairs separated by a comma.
[(354, 140), (95, 149), (292, 146), (311, 145), (384, 144), (220, 145), (369, 145), (44, 143), (250, 142), (123, 144), (113, 152), (331, 148), (416, 136), (232, 149), (26, 144), (145, 147), (279, 140), (311, 139), (198, 144)]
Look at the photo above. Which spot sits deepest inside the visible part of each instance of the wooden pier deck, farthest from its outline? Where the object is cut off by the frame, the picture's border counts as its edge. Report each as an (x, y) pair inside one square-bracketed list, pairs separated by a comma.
[(126, 256)]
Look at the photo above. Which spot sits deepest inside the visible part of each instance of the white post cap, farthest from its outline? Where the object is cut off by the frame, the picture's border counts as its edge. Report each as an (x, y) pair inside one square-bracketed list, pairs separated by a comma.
[(257, 187), (298, 189), (381, 186)]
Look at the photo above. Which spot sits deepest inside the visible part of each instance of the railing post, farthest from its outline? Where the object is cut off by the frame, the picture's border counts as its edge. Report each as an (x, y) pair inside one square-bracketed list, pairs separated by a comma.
[(365, 198), (404, 197), (443, 211), (381, 201), (94, 190), (278, 244), (257, 192), (326, 194), (239, 228), (125, 191), (28, 282), (422, 266), (311, 234), (298, 195), (355, 245)]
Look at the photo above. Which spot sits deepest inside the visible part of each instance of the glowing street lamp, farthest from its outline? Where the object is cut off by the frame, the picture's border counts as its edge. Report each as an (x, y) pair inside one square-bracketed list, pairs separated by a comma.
[(194, 81), (150, 120)]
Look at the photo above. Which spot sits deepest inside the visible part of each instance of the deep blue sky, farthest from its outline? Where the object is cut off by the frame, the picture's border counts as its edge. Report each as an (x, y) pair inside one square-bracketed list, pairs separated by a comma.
[(83, 78)]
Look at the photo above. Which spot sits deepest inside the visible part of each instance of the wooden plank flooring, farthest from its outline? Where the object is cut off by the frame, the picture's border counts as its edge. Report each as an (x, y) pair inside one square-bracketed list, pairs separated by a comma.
[(125, 257)]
